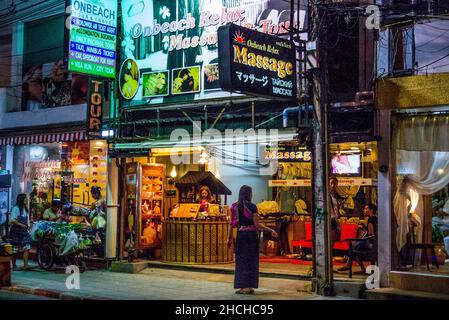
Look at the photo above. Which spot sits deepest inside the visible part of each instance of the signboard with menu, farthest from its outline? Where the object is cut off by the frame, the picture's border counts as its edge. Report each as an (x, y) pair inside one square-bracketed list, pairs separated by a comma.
[(93, 34)]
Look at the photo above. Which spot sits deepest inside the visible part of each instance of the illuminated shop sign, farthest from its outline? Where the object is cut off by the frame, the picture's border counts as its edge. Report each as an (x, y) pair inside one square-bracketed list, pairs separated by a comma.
[(288, 154), (93, 34), (95, 104), (170, 48), (256, 63)]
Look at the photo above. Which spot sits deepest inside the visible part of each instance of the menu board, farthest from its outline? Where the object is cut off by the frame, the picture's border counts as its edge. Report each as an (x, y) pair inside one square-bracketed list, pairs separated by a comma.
[(98, 166)]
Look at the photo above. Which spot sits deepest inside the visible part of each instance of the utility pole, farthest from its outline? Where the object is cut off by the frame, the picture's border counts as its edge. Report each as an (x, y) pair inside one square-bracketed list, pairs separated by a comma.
[(322, 282)]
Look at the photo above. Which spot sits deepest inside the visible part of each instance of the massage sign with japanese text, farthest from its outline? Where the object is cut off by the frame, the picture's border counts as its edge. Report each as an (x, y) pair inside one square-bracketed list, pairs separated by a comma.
[(256, 63)]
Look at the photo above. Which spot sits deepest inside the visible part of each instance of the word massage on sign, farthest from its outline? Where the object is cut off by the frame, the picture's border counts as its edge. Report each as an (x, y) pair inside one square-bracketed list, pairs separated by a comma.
[(244, 56)]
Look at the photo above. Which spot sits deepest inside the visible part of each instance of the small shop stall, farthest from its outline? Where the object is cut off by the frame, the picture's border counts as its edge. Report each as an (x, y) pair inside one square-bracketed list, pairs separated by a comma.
[(196, 228), (355, 167), (65, 172), (291, 192)]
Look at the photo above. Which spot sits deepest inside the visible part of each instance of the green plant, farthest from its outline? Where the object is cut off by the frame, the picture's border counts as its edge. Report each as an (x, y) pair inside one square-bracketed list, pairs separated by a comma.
[(437, 235)]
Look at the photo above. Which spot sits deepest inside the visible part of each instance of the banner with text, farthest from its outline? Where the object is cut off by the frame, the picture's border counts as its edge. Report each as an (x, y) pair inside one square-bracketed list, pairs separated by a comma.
[(170, 48), (93, 34)]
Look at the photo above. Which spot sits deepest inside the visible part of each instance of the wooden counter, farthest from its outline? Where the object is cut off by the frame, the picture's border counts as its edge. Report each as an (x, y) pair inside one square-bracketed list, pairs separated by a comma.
[(196, 242)]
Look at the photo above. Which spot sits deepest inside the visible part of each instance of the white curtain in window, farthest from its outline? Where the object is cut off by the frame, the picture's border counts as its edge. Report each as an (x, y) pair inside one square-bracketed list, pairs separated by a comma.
[(419, 173), (422, 133)]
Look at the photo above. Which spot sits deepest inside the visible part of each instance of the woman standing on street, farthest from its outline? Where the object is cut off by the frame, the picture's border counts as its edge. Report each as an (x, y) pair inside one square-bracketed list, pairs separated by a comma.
[(19, 232), (246, 220)]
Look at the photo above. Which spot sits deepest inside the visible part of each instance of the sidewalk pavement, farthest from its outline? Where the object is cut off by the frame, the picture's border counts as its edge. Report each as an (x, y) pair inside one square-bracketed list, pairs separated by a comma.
[(155, 284)]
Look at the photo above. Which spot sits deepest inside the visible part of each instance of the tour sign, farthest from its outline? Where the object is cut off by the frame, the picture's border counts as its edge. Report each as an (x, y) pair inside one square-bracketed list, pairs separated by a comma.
[(255, 63), (95, 105), (93, 33)]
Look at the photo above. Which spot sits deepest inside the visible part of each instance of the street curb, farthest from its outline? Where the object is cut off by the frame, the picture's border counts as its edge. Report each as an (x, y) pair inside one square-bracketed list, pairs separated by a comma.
[(53, 294), (263, 274)]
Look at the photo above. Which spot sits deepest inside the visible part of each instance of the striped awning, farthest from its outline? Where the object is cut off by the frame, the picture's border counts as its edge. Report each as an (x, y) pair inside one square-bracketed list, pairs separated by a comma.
[(43, 138)]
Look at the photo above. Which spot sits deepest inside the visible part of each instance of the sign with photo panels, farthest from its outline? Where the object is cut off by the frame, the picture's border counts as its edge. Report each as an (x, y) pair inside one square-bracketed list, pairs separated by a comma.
[(169, 48)]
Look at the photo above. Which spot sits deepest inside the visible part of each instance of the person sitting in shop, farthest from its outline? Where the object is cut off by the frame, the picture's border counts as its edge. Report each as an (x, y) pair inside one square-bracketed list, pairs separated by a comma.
[(441, 222), (99, 205), (51, 214), (64, 214), (205, 199), (370, 229)]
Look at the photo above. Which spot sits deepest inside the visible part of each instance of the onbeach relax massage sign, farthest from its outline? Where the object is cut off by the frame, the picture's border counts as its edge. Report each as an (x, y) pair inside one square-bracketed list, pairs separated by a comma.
[(93, 35), (174, 45), (256, 63)]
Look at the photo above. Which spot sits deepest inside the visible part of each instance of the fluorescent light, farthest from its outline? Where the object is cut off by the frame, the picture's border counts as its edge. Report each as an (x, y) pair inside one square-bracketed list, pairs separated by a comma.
[(107, 133)]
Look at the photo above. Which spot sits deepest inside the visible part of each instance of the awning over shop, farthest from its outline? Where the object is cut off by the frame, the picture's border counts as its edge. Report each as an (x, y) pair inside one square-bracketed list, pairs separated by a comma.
[(43, 138)]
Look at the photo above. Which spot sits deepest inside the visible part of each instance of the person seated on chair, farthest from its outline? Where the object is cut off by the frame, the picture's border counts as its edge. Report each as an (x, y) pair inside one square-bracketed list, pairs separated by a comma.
[(370, 211), (51, 214), (64, 214)]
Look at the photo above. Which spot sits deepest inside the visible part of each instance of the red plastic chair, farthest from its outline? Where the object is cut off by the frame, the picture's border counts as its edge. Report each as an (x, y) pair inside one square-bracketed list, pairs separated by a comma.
[(348, 231)]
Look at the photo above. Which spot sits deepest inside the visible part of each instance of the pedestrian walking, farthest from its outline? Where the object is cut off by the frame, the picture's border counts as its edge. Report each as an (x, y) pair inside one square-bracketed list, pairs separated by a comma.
[(19, 230)]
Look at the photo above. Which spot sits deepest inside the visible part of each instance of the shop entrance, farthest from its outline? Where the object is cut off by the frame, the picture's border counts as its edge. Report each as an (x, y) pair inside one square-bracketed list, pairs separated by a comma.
[(421, 201), (166, 221)]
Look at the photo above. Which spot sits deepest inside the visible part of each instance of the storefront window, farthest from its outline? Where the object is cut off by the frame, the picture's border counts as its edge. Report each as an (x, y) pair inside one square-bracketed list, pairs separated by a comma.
[(46, 80), (71, 174), (422, 210)]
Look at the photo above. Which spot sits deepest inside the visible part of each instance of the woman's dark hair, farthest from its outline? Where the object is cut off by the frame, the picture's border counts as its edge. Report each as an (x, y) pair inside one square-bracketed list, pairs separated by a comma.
[(245, 195), (372, 207), (55, 203), (184, 72), (95, 190), (189, 83), (209, 193), (21, 201), (66, 207), (333, 178)]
